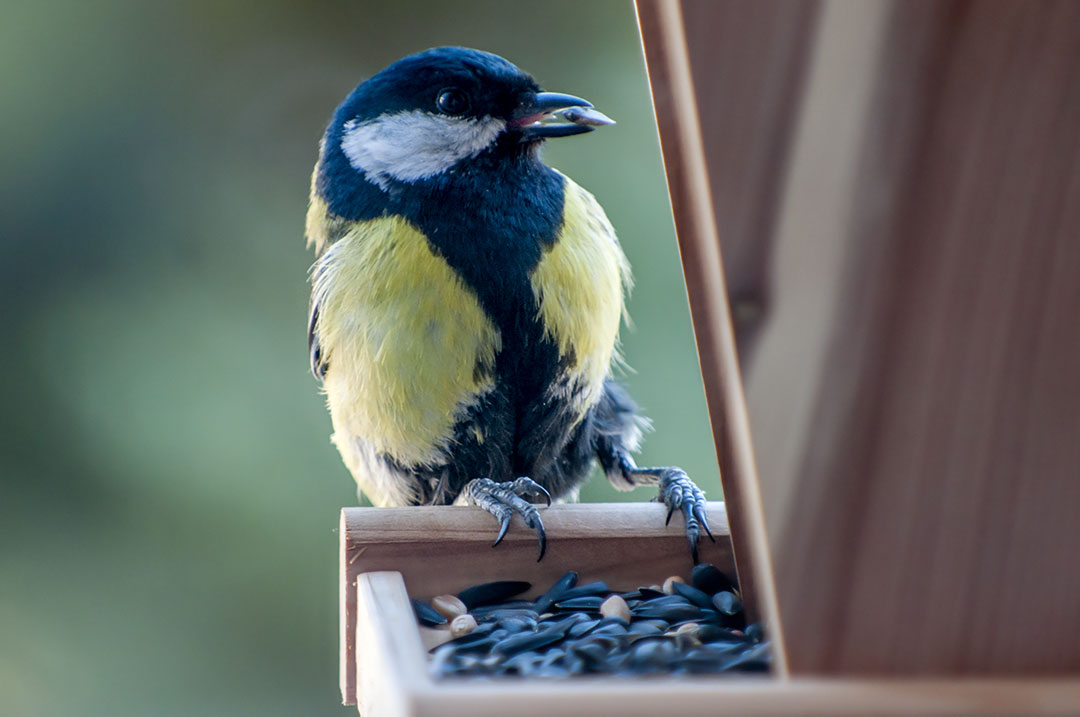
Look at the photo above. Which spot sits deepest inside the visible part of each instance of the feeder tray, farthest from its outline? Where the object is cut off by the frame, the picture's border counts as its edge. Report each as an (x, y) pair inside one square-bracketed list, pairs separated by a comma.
[(389, 555)]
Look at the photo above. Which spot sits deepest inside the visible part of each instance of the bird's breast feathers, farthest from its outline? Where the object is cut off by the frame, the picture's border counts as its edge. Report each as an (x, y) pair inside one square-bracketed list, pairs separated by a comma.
[(409, 348), (578, 286)]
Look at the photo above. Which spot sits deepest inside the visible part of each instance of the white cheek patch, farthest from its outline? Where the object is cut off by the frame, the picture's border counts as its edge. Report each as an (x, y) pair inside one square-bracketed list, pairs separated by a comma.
[(409, 146)]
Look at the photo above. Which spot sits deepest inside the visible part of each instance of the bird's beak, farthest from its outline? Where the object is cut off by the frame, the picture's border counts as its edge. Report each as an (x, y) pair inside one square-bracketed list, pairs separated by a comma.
[(543, 115)]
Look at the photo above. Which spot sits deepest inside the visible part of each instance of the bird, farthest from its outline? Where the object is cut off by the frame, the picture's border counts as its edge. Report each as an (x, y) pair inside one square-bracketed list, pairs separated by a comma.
[(466, 298)]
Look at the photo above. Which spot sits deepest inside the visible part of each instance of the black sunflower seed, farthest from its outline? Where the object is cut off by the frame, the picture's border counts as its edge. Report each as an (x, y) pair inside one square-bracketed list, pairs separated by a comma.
[(504, 613), (611, 628), (564, 622), (482, 644), (653, 653), (517, 624), (525, 663), (593, 653), (487, 593), (671, 613), (527, 641), (645, 628), (426, 614), (726, 603), (589, 602), (582, 627), (709, 579), (715, 633), (566, 582), (666, 600), (754, 659), (691, 593), (591, 589)]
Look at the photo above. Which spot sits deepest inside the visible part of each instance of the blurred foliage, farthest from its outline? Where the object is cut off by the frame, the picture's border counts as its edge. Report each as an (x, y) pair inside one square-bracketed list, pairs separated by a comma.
[(169, 492)]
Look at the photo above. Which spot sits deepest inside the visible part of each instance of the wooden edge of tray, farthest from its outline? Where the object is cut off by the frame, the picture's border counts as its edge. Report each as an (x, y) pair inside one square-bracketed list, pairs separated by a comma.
[(394, 682)]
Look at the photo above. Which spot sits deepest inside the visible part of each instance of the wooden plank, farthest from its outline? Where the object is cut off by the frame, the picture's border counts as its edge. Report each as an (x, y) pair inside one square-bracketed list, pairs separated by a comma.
[(748, 61), (925, 372), (394, 682), (648, 698), (442, 549), (810, 246), (935, 530), (675, 105), (390, 661)]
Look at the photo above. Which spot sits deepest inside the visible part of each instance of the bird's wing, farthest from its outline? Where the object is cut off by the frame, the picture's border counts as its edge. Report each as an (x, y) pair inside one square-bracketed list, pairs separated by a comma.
[(318, 365), (322, 229), (617, 429)]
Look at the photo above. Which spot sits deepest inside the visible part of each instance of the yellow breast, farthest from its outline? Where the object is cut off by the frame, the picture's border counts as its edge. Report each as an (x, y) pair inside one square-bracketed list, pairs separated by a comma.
[(579, 286), (408, 345)]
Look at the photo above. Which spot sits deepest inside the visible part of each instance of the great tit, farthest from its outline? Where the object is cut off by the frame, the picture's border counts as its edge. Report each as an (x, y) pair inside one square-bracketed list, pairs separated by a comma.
[(466, 298)]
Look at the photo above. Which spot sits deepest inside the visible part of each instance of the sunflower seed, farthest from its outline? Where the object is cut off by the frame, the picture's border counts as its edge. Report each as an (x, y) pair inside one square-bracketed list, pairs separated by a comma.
[(591, 603), (462, 625), (487, 593), (726, 603), (580, 628), (426, 614), (669, 584), (671, 613), (449, 606), (709, 579), (698, 597), (527, 641), (566, 582), (590, 589)]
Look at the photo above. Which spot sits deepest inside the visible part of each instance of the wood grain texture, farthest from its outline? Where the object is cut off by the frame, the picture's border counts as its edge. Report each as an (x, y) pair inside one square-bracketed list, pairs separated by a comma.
[(672, 84), (748, 61), (811, 245), (937, 499), (395, 683), (735, 696), (443, 549), (931, 475), (391, 659)]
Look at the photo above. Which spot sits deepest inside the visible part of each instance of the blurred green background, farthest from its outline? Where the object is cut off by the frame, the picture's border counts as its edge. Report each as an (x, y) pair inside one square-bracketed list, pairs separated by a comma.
[(169, 493)]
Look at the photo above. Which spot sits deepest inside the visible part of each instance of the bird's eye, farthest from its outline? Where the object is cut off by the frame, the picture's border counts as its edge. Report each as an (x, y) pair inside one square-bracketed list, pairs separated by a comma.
[(452, 102)]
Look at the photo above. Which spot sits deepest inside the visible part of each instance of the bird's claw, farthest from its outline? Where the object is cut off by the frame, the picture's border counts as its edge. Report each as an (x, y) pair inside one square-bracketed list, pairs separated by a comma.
[(502, 500), (678, 492)]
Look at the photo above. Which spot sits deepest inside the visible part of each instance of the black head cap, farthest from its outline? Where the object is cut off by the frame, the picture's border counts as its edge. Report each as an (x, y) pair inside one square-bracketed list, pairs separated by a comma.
[(470, 83)]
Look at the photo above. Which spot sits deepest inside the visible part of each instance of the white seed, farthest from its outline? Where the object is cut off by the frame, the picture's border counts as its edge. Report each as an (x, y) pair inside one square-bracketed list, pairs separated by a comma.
[(462, 625), (669, 584), (615, 606), (449, 606), (687, 635)]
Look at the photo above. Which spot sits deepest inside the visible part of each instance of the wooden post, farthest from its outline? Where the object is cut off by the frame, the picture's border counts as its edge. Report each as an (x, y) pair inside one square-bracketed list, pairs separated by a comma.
[(674, 102), (915, 386)]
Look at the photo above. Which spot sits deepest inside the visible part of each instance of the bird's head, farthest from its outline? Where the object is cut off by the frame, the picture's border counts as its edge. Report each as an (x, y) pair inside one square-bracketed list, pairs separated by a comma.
[(439, 111)]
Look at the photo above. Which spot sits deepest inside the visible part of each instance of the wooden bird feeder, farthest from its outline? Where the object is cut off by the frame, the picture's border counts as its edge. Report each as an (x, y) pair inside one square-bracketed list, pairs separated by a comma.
[(848, 121)]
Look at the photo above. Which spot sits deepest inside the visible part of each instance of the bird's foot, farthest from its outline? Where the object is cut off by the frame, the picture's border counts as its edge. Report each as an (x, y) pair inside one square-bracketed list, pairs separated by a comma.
[(502, 500), (678, 492)]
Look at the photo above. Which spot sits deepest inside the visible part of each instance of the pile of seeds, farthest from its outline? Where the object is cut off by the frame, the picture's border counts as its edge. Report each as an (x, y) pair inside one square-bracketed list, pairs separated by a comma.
[(573, 629)]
